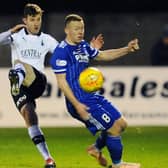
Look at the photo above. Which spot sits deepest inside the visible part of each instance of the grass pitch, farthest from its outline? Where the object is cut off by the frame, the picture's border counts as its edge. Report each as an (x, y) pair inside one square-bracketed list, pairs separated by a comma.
[(146, 145)]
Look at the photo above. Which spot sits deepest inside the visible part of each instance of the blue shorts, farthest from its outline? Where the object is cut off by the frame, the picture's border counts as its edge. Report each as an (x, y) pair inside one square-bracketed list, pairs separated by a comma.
[(102, 113)]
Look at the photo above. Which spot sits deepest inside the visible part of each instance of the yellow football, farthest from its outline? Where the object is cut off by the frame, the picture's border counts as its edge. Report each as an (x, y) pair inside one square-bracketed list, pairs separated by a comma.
[(91, 79)]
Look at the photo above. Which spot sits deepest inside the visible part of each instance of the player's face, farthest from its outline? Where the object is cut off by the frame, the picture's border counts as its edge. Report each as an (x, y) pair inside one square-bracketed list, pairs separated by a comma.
[(33, 23), (75, 31)]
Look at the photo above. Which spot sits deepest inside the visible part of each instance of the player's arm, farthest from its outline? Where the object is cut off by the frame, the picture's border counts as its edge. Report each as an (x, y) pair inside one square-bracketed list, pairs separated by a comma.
[(5, 36), (111, 54), (64, 86)]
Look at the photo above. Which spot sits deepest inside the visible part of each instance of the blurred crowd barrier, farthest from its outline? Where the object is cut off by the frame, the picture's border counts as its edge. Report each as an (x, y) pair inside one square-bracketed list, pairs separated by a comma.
[(140, 93)]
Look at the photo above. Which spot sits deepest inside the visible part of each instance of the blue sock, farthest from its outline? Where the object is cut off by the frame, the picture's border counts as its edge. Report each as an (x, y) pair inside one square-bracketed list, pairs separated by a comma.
[(101, 140), (115, 148)]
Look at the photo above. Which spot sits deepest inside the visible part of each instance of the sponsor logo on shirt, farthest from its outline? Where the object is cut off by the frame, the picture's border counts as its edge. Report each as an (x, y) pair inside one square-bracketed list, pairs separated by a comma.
[(81, 57), (30, 53), (81, 54)]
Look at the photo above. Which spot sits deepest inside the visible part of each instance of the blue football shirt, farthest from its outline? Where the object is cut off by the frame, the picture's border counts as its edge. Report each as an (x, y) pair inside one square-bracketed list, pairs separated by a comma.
[(72, 60)]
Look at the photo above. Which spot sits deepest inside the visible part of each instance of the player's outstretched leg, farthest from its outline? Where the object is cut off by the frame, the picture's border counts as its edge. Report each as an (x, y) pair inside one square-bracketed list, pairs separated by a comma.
[(114, 142), (37, 137), (36, 134), (115, 148), (95, 149)]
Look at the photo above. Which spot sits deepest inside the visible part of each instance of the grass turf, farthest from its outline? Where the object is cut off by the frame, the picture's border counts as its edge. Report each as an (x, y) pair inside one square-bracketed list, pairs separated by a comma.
[(147, 145)]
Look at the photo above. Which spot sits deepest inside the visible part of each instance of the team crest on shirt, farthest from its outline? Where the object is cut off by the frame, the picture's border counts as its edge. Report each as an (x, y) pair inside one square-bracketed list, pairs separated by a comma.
[(61, 62)]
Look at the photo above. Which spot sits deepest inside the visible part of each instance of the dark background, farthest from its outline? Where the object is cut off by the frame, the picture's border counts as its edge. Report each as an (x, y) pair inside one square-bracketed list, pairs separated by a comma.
[(91, 6), (118, 20)]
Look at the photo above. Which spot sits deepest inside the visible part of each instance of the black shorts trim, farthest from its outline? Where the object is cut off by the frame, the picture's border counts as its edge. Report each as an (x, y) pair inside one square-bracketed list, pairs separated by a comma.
[(34, 91)]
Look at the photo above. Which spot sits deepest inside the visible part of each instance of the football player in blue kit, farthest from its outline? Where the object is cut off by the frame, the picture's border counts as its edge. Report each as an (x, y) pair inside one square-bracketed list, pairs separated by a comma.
[(70, 58)]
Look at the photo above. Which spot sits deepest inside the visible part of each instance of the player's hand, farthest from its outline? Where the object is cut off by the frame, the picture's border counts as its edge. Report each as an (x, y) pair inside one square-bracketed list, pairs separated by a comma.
[(97, 42), (82, 111), (133, 45), (17, 28)]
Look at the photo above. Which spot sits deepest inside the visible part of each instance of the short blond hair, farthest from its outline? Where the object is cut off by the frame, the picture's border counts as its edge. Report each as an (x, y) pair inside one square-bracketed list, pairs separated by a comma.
[(72, 17)]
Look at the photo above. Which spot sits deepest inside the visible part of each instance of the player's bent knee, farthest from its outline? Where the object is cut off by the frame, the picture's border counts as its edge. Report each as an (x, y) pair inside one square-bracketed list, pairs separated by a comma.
[(118, 127), (124, 124)]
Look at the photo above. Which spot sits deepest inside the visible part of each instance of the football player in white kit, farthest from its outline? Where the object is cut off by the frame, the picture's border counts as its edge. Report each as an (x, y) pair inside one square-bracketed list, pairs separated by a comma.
[(29, 47)]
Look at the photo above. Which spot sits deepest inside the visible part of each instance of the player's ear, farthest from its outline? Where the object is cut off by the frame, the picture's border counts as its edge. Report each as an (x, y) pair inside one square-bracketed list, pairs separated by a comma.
[(24, 20), (66, 30)]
